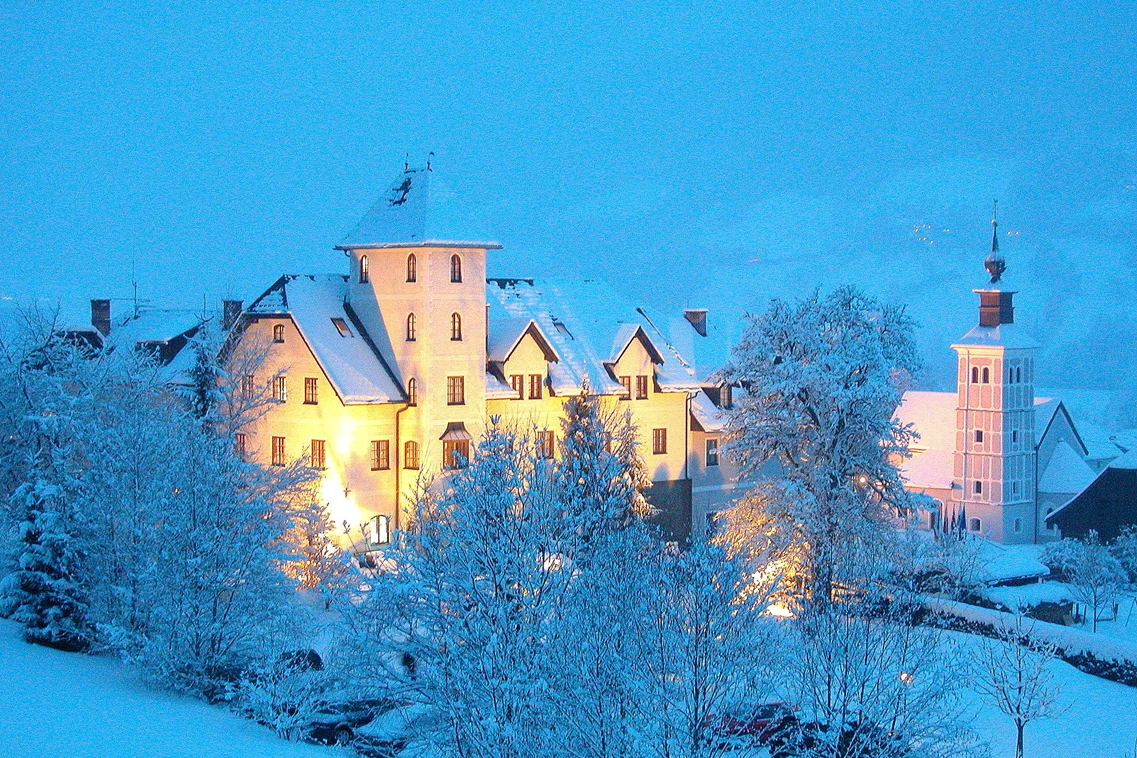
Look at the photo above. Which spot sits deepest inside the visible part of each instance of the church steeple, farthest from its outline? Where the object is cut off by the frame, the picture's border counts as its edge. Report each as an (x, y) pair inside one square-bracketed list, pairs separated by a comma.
[(996, 305)]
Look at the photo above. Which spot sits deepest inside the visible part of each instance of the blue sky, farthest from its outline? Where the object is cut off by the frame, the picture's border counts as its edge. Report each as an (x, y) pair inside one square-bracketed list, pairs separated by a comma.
[(669, 147)]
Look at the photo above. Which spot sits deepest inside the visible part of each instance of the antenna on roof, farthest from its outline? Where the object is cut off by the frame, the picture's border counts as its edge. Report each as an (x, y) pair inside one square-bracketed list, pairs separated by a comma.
[(406, 162), (134, 284), (429, 158)]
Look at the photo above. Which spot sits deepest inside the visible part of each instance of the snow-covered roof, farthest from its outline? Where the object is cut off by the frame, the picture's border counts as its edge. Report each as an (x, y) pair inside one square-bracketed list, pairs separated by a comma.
[(357, 370), (155, 325), (496, 389), (710, 416), (1006, 563), (412, 212), (1127, 461), (933, 416), (1004, 335), (1066, 472), (588, 325), (505, 334)]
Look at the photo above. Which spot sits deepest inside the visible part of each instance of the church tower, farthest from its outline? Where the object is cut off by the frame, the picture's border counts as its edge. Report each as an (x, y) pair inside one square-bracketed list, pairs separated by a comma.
[(994, 459)]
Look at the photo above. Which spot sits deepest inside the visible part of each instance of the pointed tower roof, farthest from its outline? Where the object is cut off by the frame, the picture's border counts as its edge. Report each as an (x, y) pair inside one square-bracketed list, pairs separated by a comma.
[(995, 263), (412, 213)]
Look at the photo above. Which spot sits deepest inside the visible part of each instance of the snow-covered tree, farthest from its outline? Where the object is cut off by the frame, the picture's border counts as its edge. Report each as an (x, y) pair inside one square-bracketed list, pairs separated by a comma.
[(1014, 675), (1124, 548), (870, 684), (1098, 577), (822, 378)]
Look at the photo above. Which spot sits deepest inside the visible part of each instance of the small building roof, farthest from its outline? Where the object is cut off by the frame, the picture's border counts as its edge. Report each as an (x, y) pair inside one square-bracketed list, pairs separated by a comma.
[(357, 370), (412, 213), (709, 416), (1066, 472)]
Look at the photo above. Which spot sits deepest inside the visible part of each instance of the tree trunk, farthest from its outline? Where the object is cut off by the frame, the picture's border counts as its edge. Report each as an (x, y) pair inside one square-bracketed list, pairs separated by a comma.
[(1019, 740)]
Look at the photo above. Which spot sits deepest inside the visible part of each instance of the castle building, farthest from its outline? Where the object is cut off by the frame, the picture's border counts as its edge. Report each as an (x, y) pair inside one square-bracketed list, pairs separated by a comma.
[(389, 373), (992, 454)]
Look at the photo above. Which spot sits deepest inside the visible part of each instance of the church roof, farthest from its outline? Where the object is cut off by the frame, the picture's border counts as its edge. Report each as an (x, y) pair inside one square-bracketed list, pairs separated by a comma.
[(417, 210), (1067, 472), (357, 370), (1004, 335)]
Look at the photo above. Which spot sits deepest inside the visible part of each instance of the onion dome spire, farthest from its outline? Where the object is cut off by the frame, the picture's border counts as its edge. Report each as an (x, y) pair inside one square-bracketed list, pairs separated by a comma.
[(995, 263)]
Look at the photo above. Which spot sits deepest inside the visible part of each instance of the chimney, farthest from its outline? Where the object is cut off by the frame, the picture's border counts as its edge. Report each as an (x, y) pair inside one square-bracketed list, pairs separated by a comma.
[(101, 316), (698, 319), (230, 312)]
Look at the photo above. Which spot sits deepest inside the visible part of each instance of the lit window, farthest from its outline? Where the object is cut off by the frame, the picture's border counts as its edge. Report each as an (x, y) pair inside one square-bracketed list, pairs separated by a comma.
[(535, 383), (364, 270), (455, 390), (379, 530), (712, 452), (455, 327), (986, 375), (974, 525), (412, 392), (545, 442), (278, 333), (380, 455), (317, 459), (412, 327), (627, 382), (455, 268), (342, 327), (410, 455), (978, 487), (279, 389), (278, 451), (978, 435), (455, 453), (310, 391), (641, 388), (658, 441), (412, 268), (239, 445), (517, 382)]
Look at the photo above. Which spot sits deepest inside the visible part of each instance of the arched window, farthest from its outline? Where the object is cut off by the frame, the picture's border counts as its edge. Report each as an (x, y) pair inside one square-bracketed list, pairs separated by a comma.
[(986, 375), (1010, 375), (278, 333), (412, 328), (975, 375), (364, 270), (412, 392), (410, 454), (455, 268), (412, 268), (1019, 374), (455, 327)]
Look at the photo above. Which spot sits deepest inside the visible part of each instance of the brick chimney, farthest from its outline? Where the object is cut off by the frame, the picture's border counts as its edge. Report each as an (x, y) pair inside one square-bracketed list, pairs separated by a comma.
[(101, 316), (231, 311)]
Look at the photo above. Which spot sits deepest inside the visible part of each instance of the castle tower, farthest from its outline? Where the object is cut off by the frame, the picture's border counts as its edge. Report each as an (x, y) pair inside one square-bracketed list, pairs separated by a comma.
[(419, 288), (994, 457)]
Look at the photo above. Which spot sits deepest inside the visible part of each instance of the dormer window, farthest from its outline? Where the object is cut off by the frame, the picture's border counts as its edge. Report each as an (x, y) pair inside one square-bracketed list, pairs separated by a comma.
[(364, 270), (455, 268), (342, 327), (278, 333), (412, 328), (412, 268), (455, 327)]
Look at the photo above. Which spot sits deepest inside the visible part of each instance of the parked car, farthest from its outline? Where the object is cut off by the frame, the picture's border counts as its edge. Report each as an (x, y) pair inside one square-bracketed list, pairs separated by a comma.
[(758, 723), (336, 723), (392, 732), (855, 740)]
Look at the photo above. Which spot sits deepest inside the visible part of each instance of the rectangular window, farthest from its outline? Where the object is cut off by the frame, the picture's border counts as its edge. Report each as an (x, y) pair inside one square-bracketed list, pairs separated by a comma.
[(1014, 436), (247, 386), (517, 382), (379, 530), (455, 390), (978, 487), (310, 396), (410, 454), (317, 460), (279, 389), (641, 388), (659, 441), (545, 443), (978, 435), (239, 445), (455, 453), (1014, 488), (627, 382), (380, 455), (712, 452), (278, 451), (535, 382)]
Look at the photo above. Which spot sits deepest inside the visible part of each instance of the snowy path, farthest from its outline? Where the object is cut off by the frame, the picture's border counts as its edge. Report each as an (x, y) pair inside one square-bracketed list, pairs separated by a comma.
[(56, 704)]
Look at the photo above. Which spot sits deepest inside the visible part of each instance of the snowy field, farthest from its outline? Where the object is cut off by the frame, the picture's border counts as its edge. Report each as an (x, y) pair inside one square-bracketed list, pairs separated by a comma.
[(56, 704)]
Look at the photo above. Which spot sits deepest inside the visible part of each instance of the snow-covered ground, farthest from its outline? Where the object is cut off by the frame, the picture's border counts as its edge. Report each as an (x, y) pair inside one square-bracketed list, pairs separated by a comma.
[(56, 704)]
